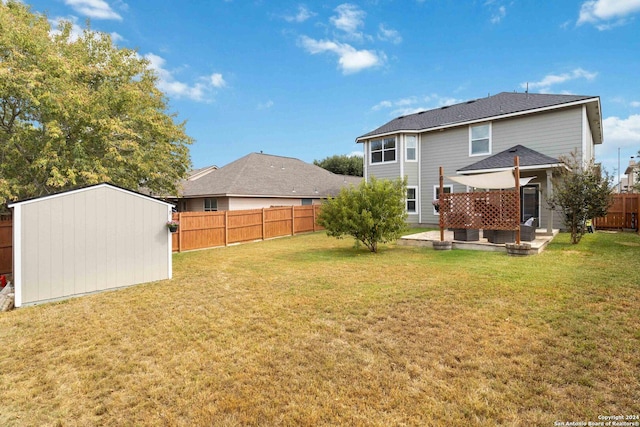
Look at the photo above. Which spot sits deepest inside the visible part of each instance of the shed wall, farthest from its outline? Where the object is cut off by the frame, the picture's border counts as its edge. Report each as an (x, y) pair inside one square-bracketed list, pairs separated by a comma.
[(93, 240)]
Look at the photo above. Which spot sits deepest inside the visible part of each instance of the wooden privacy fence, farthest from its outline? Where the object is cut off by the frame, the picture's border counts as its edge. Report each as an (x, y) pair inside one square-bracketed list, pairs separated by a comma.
[(199, 230), (623, 213), (6, 246)]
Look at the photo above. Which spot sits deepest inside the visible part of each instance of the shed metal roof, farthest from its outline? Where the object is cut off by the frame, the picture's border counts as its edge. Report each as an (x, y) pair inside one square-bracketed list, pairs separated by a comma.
[(88, 188)]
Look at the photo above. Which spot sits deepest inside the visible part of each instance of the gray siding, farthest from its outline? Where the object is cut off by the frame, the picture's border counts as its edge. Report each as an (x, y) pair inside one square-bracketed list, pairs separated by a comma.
[(554, 133), (89, 241), (411, 172), (449, 149), (382, 170)]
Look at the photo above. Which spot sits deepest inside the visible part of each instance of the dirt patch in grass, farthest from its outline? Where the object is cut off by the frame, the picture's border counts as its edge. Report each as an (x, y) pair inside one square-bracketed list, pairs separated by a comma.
[(310, 331)]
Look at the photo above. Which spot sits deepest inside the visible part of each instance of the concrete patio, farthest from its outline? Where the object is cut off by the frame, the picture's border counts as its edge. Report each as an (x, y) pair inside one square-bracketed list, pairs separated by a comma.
[(427, 238)]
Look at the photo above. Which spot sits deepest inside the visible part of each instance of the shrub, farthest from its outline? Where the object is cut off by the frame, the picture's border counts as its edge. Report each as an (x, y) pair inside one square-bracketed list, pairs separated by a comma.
[(372, 213)]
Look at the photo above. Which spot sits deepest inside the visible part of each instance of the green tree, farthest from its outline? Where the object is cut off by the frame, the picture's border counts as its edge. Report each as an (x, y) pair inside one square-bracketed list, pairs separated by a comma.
[(342, 164), (372, 213), (580, 192), (78, 110)]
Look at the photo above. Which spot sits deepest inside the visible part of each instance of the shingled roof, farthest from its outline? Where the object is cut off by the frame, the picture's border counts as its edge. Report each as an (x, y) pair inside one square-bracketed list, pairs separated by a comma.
[(264, 175), (502, 105), (528, 159)]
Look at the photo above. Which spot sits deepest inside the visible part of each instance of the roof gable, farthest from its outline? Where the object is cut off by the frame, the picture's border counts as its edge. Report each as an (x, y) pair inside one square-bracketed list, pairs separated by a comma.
[(504, 160), (502, 105)]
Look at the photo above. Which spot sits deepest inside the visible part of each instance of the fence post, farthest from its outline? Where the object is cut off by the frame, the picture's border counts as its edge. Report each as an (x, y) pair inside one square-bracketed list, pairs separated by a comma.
[(263, 225), (314, 217), (226, 228), (293, 217), (180, 232)]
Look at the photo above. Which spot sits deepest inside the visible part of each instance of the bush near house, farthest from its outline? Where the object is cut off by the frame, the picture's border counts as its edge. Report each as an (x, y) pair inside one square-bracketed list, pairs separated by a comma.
[(373, 213)]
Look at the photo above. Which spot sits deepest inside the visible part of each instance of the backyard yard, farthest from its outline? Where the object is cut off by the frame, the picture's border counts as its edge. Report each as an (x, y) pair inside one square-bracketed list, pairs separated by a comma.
[(309, 330)]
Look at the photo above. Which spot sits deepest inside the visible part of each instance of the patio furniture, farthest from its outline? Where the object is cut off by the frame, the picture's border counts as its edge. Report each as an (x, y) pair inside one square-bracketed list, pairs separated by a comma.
[(528, 230), (466, 234), (501, 236)]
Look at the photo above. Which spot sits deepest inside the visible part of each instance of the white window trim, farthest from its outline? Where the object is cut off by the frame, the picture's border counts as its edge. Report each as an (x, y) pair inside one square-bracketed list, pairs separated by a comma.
[(471, 154), (397, 140), (416, 212), (406, 146), (204, 204), (435, 193)]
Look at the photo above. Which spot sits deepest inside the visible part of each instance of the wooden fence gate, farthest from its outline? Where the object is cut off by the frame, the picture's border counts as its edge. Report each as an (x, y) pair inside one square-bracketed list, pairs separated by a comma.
[(623, 213)]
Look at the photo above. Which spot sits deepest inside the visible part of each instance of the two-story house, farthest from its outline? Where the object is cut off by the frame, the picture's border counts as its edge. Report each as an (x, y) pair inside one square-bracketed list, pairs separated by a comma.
[(483, 135)]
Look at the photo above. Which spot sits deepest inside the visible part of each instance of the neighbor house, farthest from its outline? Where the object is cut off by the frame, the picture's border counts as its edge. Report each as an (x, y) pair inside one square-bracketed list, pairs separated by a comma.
[(257, 181), (483, 135), (628, 183)]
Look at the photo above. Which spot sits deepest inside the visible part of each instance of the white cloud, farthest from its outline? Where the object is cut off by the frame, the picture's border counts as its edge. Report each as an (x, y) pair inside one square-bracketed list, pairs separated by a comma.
[(382, 104), (414, 104), (265, 105), (217, 80), (302, 15), (76, 30), (606, 14), (635, 104), (388, 34), (554, 79), (498, 15), (622, 132), (350, 60), (619, 133), (199, 91), (97, 9), (349, 18), (356, 154)]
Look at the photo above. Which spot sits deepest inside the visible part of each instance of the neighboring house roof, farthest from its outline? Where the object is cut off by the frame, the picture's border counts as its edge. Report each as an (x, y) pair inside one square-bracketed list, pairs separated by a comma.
[(528, 159), (502, 105), (199, 173), (264, 175)]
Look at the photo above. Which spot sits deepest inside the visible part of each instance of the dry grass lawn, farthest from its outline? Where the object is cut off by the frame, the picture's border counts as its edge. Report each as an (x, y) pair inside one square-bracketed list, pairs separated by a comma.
[(311, 331)]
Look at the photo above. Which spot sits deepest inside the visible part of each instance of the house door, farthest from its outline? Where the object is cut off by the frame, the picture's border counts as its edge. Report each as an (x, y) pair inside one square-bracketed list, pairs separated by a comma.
[(530, 202)]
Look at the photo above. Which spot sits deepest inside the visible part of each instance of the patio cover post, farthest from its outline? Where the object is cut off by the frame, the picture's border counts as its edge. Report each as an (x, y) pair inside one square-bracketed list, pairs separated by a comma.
[(440, 194), (516, 161)]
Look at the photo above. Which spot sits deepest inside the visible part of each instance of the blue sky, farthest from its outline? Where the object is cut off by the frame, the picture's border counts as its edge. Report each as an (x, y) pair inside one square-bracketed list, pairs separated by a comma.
[(305, 79)]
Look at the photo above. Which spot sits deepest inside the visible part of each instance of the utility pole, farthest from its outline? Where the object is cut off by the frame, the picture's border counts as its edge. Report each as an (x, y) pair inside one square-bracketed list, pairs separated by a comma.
[(619, 174)]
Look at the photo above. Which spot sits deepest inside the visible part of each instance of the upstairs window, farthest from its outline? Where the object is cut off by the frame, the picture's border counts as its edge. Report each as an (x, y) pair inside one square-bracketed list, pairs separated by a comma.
[(383, 150), (411, 142), (480, 140)]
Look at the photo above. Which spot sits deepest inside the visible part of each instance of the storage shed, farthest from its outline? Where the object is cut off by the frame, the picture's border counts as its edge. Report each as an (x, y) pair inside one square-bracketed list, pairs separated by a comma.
[(88, 240)]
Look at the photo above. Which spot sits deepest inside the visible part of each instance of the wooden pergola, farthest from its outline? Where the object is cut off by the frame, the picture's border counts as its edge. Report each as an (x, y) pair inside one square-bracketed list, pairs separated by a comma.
[(491, 209)]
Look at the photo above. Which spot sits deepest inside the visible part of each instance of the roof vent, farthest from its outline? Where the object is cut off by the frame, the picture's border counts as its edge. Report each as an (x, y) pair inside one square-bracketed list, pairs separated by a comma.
[(400, 117), (471, 102), (513, 150), (422, 112), (445, 107)]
